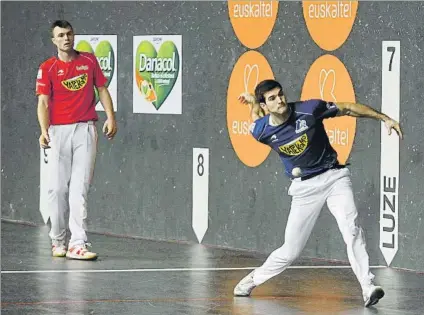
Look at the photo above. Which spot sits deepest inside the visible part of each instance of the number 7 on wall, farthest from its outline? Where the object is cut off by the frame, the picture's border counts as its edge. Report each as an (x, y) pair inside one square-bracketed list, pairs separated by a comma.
[(391, 49)]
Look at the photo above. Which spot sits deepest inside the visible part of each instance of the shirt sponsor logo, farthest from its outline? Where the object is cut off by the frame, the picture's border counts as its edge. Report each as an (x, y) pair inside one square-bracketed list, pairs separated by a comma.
[(295, 147), (76, 83)]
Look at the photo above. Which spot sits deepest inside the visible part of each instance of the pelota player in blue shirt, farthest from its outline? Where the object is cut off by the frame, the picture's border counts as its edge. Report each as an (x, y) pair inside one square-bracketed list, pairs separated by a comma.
[(296, 132)]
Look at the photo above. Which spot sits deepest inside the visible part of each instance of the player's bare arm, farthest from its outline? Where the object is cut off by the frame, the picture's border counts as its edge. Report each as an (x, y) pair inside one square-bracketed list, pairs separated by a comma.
[(256, 111), (43, 120), (109, 128), (361, 110)]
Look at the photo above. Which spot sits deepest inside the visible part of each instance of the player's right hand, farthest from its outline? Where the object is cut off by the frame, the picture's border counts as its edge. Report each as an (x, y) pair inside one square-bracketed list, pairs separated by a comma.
[(247, 98), (44, 140)]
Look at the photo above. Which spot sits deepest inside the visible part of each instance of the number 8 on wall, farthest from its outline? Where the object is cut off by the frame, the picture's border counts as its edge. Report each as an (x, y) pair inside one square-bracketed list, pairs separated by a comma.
[(200, 195)]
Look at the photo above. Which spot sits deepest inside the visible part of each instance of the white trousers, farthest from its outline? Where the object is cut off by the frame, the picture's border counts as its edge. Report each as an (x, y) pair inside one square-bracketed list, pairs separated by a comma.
[(71, 164), (308, 198)]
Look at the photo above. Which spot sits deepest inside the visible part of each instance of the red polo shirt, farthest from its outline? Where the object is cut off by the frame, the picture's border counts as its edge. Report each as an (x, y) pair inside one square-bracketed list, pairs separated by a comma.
[(70, 87)]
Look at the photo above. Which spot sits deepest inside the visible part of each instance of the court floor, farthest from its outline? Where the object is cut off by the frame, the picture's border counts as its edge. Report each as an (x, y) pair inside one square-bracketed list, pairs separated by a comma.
[(133, 276)]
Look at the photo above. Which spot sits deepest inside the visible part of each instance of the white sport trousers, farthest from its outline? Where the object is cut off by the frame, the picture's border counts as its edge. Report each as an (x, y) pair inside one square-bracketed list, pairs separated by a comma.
[(71, 164), (308, 198)]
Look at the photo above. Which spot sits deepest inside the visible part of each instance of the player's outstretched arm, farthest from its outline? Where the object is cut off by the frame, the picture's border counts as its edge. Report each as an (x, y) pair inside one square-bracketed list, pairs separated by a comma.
[(361, 110), (256, 111)]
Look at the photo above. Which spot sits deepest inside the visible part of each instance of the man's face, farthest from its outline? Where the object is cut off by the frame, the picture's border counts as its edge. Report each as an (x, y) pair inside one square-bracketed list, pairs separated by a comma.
[(275, 101), (63, 38)]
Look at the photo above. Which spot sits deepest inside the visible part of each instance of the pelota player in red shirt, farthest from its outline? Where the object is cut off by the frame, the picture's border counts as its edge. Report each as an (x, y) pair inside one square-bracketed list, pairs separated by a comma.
[(66, 113)]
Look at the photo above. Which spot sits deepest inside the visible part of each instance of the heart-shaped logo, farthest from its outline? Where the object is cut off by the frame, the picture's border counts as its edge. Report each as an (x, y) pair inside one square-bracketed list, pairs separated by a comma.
[(248, 69), (156, 71), (323, 79), (248, 86), (105, 56)]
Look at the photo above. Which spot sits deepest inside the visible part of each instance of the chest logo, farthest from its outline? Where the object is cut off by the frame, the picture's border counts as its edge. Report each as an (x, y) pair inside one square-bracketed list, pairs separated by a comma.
[(301, 125), (295, 147), (76, 83), (81, 68)]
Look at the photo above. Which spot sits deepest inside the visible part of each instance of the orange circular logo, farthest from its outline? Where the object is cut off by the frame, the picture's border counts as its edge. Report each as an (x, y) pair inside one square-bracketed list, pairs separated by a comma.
[(252, 21), (328, 79), (329, 22), (250, 69)]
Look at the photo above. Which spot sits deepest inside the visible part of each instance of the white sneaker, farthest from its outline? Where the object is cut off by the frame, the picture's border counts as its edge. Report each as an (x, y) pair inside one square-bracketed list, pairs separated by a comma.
[(372, 295), (245, 286), (81, 252), (58, 250)]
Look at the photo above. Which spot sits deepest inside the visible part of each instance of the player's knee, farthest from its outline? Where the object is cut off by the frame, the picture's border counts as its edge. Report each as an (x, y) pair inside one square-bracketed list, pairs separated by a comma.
[(352, 232), (58, 191), (292, 257), (355, 229)]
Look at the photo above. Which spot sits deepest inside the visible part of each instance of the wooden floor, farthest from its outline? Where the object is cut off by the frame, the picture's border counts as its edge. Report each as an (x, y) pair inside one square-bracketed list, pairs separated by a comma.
[(157, 278)]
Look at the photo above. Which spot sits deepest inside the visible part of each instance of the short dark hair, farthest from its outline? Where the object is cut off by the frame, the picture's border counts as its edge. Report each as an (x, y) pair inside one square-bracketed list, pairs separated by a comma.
[(263, 87), (61, 24)]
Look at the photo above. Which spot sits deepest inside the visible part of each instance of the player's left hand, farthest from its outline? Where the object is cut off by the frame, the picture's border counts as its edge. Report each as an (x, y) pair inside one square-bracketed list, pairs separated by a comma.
[(249, 99), (110, 128), (393, 124)]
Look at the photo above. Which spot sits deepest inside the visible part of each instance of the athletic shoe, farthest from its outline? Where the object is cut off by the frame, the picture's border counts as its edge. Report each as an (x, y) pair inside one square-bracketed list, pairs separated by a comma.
[(245, 286), (58, 250), (372, 295), (81, 252)]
